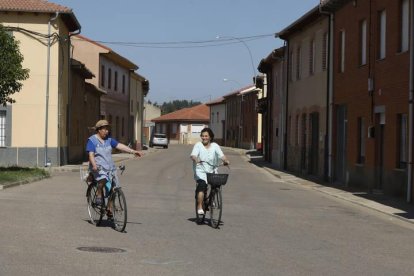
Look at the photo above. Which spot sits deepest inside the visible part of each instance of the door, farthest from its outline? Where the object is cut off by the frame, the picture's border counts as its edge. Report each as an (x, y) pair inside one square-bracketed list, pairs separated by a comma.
[(340, 166), (379, 150), (314, 144), (303, 144)]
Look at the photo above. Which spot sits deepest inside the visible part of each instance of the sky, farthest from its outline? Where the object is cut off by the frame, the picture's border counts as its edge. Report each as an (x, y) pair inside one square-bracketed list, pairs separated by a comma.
[(224, 39)]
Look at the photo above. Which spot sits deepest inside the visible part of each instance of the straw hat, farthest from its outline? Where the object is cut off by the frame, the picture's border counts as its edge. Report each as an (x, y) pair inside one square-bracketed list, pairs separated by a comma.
[(101, 123)]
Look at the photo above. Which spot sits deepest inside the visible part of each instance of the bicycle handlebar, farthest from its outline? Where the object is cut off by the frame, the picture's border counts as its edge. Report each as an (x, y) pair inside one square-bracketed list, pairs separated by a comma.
[(222, 164)]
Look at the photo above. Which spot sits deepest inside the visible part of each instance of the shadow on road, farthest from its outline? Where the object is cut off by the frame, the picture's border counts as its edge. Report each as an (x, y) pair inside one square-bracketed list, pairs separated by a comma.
[(403, 209)]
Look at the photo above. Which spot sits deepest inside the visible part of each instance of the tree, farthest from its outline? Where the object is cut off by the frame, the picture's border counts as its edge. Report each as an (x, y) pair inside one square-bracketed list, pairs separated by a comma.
[(168, 107), (11, 69)]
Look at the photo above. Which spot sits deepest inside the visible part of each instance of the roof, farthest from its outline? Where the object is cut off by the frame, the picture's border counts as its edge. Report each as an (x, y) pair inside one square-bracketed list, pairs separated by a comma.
[(332, 5), (240, 90), (111, 54), (81, 68), (299, 24), (196, 113), (275, 56), (41, 6), (216, 101)]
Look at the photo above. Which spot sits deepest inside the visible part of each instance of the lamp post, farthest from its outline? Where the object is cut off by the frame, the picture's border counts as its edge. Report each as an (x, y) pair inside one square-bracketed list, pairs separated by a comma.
[(248, 49), (236, 82)]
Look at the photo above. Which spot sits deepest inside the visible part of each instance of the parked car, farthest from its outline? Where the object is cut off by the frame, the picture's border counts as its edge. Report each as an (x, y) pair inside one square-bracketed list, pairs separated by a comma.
[(159, 139)]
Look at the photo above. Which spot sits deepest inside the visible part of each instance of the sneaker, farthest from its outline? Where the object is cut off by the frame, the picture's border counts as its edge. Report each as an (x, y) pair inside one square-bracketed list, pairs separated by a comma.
[(200, 211)]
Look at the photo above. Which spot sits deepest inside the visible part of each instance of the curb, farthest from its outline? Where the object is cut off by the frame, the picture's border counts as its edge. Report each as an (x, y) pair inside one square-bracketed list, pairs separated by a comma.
[(372, 205), (23, 182)]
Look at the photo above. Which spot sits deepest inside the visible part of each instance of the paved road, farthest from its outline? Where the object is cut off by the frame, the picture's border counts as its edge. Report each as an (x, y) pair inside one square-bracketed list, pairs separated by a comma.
[(270, 228)]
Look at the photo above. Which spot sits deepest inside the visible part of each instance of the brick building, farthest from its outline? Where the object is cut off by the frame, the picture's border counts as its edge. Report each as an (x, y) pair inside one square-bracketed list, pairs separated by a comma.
[(371, 88)]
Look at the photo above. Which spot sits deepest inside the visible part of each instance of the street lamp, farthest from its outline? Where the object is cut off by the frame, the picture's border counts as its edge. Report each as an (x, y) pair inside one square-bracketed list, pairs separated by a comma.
[(248, 49), (238, 83)]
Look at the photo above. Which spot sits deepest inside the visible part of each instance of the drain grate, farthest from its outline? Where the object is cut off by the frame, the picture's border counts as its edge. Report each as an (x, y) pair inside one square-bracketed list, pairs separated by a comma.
[(101, 249)]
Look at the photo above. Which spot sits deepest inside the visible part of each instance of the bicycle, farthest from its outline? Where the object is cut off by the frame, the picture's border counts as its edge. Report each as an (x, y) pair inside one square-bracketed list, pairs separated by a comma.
[(115, 196), (213, 202)]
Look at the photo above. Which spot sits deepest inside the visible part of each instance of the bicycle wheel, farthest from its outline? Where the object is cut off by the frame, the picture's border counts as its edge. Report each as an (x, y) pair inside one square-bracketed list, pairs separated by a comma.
[(119, 209), (200, 218), (95, 211), (216, 207)]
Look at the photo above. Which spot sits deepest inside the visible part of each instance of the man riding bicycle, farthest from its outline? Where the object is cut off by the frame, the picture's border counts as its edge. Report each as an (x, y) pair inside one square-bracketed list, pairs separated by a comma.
[(205, 154), (99, 148)]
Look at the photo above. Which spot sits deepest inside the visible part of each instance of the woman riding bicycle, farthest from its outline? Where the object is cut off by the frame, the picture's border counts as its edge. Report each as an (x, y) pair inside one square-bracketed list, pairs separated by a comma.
[(205, 154), (99, 148)]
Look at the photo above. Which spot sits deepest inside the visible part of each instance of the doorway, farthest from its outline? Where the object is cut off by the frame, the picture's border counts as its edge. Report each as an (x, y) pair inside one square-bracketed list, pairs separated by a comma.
[(341, 133), (314, 144)]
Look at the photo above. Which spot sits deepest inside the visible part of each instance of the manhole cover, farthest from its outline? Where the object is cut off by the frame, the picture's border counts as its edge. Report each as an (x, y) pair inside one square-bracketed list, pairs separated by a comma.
[(101, 249)]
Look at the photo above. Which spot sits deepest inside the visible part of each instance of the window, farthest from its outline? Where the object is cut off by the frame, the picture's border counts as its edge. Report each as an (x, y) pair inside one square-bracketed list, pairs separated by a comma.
[(324, 51), (132, 106), (103, 75), (404, 23), (123, 84), (3, 128), (363, 42), (212, 117), (402, 141), (312, 57), (361, 140), (116, 81), (109, 78), (342, 51), (217, 116), (382, 23), (298, 63)]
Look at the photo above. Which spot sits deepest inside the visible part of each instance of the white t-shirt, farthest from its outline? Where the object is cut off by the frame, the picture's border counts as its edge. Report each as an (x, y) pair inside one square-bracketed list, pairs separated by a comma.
[(211, 155)]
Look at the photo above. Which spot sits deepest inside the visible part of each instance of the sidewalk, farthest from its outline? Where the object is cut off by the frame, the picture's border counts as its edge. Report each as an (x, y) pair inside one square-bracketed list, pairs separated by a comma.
[(394, 207), (118, 158)]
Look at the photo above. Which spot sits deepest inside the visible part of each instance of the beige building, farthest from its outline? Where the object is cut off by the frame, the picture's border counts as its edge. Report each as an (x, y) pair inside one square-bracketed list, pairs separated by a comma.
[(150, 112), (112, 73), (274, 106), (306, 55), (139, 88), (35, 127), (218, 119)]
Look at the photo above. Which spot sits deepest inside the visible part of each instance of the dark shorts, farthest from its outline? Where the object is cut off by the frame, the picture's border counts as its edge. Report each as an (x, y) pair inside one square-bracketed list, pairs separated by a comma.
[(201, 186)]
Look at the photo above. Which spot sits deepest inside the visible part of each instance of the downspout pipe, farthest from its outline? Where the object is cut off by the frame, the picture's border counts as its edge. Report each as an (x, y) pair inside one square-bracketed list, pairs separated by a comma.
[(329, 100), (47, 162), (286, 101), (410, 106)]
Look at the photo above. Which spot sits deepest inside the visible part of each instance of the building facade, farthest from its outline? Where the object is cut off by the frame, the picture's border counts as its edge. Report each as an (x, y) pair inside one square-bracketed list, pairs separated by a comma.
[(306, 54), (371, 73), (218, 119), (42, 103), (274, 106), (113, 78)]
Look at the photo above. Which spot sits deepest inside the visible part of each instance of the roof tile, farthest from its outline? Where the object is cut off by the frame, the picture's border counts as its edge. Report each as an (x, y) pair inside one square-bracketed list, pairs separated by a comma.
[(196, 113), (32, 6)]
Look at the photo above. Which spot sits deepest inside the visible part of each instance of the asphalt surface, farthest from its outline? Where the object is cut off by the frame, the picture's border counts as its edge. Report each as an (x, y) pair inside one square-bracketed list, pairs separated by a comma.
[(270, 227)]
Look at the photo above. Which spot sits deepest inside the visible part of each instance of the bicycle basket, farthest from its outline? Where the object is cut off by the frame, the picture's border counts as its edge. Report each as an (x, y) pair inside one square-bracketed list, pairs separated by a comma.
[(217, 179)]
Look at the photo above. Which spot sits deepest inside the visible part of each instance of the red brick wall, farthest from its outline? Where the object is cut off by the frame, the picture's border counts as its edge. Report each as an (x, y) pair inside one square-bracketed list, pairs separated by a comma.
[(391, 76)]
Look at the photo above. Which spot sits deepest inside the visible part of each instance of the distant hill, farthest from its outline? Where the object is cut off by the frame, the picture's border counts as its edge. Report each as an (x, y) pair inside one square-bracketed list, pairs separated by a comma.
[(168, 107)]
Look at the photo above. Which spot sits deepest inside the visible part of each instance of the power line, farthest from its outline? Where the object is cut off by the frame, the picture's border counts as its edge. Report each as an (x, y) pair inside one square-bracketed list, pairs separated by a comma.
[(182, 44)]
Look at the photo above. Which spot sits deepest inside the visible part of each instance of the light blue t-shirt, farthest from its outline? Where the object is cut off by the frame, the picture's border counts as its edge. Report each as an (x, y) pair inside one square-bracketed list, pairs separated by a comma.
[(211, 155)]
